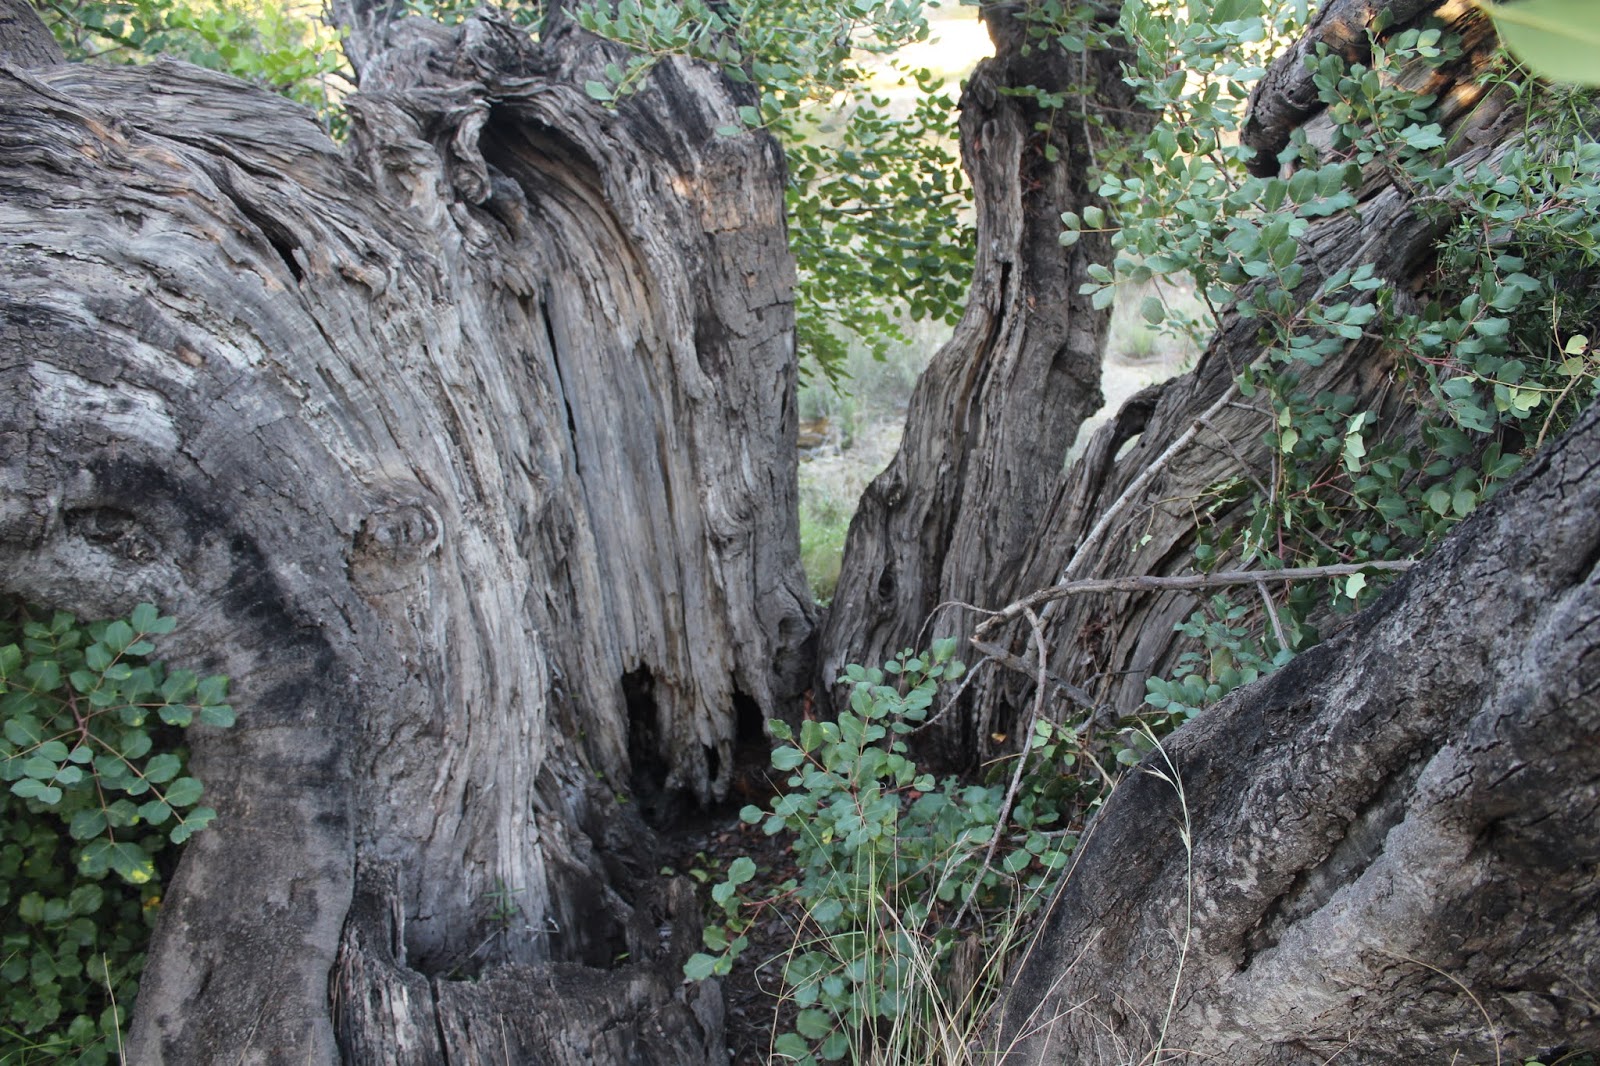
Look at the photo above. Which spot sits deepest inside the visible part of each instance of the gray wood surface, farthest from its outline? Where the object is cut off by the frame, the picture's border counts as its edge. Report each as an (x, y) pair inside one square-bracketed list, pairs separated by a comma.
[(1394, 845)]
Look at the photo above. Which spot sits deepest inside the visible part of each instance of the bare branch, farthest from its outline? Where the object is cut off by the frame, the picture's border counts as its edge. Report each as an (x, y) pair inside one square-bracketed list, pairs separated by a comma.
[(1146, 583)]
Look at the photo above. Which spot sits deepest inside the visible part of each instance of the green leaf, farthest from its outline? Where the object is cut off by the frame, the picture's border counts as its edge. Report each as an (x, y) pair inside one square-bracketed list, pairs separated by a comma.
[(162, 768), (184, 792), (791, 1046), (741, 870), (30, 908), (87, 823), (95, 859), (814, 1024), (118, 636), (179, 714), (699, 967), (85, 899), (599, 90), (787, 758), (178, 686), (827, 911), (42, 768), (213, 690), (44, 675), (24, 731), (144, 617), (34, 789), (1557, 39), (192, 822), (132, 863)]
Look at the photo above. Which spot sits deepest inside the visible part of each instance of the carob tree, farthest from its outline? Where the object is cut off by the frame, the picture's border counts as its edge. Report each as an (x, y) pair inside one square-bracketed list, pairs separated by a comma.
[(1385, 852), (468, 452), (991, 420)]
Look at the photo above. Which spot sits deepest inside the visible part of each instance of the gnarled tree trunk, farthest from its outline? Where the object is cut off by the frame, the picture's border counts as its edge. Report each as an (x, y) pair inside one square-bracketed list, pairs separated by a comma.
[(469, 453), (1385, 852), (992, 418)]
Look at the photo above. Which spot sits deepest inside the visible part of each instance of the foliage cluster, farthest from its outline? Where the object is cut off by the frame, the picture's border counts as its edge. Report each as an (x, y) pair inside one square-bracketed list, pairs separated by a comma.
[(896, 868), (96, 798), (1493, 357), (278, 44)]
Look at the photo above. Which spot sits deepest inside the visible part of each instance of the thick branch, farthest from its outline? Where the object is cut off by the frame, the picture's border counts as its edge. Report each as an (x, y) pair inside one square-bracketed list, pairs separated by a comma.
[(1387, 839)]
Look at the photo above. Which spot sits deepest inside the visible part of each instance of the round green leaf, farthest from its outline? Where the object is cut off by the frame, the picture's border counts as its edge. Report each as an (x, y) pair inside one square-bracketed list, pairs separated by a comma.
[(699, 967), (184, 792), (1557, 39)]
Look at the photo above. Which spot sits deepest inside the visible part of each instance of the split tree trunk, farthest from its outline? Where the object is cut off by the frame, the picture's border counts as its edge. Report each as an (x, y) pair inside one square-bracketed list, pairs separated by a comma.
[(470, 456)]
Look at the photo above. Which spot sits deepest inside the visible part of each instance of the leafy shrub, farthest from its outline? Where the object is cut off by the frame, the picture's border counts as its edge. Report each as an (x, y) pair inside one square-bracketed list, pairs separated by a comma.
[(95, 788), (264, 41), (890, 861), (1231, 657)]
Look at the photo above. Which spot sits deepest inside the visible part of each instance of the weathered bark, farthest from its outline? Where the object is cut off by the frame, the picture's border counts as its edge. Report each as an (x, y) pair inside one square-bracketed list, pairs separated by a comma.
[(992, 418), (470, 457), (24, 40), (1394, 851)]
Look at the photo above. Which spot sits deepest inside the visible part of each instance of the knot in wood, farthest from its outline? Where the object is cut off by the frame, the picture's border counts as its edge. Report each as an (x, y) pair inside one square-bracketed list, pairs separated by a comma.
[(400, 531)]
